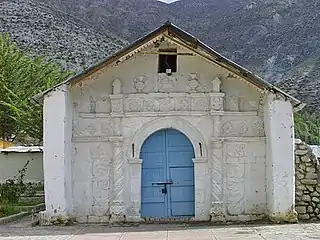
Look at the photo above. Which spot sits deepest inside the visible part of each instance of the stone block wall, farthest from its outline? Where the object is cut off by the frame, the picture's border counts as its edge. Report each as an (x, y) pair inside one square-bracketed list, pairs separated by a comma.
[(307, 183)]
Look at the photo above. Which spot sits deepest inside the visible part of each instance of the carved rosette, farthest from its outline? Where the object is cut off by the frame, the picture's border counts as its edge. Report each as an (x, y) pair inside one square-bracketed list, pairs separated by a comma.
[(217, 207), (117, 209)]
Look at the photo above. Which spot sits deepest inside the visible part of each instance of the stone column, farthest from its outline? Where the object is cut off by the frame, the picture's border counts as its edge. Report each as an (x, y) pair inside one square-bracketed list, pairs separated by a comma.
[(217, 211), (135, 189), (278, 120), (58, 115), (117, 209)]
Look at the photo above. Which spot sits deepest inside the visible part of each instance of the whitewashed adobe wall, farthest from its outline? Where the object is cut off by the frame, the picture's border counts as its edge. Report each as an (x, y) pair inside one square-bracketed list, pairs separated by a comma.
[(117, 108), (12, 160)]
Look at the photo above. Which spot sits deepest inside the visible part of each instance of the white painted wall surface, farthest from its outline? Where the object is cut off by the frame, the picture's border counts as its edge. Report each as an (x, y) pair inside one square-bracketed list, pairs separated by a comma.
[(11, 163), (280, 157), (57, 153)]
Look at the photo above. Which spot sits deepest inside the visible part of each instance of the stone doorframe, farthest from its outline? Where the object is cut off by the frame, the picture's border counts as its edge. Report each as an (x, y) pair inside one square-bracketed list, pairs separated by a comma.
[(201, 167)]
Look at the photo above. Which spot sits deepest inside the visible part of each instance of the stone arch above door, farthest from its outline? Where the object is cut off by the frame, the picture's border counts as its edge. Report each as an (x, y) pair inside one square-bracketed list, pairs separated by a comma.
[(202, 180), (196, 138)]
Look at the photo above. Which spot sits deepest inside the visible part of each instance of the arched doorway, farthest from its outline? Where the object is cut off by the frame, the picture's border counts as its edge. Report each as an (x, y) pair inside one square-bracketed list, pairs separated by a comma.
[(167, 184)]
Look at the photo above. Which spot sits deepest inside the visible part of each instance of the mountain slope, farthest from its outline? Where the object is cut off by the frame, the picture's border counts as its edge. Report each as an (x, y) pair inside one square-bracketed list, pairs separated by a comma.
[(42, 30), (276, 39)]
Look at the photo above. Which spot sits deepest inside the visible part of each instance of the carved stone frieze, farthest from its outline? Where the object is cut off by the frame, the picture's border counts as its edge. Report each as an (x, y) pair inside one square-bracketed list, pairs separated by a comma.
[(183, 104), (245, 127), (134, 105), (167, 102), (92, 127), (232, 103), (200, 103)]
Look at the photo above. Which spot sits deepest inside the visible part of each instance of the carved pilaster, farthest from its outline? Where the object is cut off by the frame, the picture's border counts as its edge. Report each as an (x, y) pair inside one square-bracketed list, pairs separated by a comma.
[(217, 211), (117, 127), (117, 208), (116, 105)]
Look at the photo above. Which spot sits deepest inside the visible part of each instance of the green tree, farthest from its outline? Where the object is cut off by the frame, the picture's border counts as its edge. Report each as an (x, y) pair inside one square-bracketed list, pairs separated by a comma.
[(21, 77), (307, 127)]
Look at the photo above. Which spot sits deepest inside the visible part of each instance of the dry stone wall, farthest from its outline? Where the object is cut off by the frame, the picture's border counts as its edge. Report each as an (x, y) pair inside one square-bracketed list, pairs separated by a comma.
[(307, 183)]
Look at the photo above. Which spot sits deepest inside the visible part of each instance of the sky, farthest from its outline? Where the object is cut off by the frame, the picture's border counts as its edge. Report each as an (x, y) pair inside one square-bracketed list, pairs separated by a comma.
[(168, 1)]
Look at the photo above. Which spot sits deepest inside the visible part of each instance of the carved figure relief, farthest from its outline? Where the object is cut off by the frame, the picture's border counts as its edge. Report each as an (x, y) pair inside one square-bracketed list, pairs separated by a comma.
[(139, 83), (216, 83), (193, 82), (165, 83), (116, 86)]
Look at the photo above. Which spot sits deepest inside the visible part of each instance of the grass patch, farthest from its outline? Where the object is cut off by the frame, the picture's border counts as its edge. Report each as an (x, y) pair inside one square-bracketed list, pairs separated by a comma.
[(9, 210)]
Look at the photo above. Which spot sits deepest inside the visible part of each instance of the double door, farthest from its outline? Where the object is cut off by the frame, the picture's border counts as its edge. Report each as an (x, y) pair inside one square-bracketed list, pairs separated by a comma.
[(167, 175)]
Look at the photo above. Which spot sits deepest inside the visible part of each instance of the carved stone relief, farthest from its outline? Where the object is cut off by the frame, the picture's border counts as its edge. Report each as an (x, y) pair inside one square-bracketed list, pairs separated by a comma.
[(193, 82), (101, 172), (216, 103), (140, 82), (236, 152), (166, 83), (216, 83), (167, 102), (183, 104), (116, 85), (92, 127), (232, 103), (247, 127)]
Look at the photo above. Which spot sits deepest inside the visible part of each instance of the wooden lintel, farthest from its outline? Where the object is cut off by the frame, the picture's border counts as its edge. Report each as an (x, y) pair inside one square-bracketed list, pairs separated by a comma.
[(168, 53)]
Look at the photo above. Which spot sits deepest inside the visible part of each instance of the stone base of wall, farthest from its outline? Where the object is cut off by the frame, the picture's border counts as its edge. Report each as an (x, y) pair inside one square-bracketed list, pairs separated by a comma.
[(307, 183)]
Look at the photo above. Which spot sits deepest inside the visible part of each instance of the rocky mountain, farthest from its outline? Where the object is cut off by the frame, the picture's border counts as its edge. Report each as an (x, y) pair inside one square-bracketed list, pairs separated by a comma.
[(43, 30), (276, 39)]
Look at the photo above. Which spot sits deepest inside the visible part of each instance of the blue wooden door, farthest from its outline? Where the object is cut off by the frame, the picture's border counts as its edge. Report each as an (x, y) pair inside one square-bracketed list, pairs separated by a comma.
[(167, 175)]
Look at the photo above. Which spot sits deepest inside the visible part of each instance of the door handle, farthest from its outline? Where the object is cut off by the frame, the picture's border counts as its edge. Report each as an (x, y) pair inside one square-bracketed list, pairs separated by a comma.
[(162, 183)]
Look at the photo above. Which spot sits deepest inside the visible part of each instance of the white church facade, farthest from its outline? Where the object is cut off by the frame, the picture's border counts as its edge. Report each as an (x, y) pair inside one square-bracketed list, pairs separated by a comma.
[(168, 129)]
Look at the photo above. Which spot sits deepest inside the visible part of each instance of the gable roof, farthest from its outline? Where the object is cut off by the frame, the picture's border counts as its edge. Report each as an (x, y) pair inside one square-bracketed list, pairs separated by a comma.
[(194, 44)]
